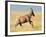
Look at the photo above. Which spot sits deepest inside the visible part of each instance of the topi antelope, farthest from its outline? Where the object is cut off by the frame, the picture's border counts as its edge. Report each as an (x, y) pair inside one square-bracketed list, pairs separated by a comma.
[(25, 18)]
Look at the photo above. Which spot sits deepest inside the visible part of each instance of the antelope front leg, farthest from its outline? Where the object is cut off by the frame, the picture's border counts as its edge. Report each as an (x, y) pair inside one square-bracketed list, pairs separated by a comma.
[(30, 22)]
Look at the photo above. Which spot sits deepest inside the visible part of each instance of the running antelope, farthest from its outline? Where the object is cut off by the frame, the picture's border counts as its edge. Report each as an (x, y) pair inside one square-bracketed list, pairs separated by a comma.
[(25, 18)]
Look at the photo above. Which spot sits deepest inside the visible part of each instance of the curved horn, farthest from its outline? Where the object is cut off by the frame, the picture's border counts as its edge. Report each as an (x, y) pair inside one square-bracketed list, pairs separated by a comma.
[(32, 11)]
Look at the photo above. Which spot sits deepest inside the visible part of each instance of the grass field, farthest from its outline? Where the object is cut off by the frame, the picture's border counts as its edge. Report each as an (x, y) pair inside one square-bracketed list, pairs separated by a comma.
[(37, 22)]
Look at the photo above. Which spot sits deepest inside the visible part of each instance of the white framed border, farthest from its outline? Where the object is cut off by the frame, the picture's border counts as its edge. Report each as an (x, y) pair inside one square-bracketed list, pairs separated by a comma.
[(32, 32)]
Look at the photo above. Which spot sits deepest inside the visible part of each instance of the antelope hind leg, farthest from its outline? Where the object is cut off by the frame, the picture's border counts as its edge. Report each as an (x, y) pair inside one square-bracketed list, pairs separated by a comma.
[(20, 24)]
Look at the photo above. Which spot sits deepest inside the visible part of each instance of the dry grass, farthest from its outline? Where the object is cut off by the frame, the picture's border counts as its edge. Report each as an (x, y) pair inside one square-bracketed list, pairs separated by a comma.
[(26, 26)]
